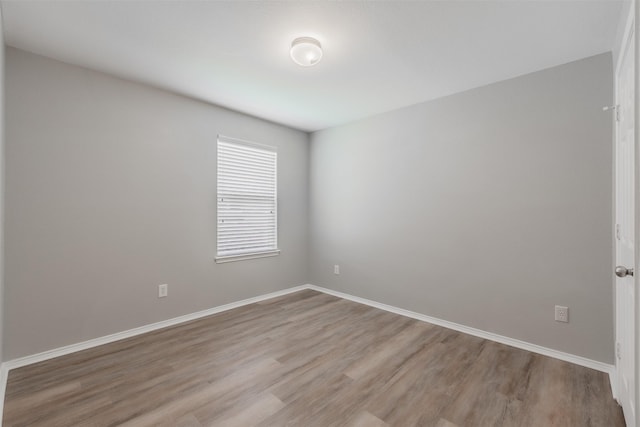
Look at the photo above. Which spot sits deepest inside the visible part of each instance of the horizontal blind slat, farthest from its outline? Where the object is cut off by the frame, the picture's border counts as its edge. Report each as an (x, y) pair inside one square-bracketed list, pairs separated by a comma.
[(249, 166), (246, 199), (244, 150)]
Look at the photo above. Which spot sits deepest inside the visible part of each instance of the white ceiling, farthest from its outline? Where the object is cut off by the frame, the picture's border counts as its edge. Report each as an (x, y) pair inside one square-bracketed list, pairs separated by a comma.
[(378, 55)]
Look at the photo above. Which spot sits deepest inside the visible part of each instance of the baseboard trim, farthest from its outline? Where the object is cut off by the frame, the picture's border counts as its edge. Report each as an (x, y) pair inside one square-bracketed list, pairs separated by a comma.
[(523, 345), (4, 374), (613, 380), (62, 351)]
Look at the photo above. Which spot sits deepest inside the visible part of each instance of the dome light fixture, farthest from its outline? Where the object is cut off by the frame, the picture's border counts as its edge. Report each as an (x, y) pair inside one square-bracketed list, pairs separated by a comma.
[(306, 51)]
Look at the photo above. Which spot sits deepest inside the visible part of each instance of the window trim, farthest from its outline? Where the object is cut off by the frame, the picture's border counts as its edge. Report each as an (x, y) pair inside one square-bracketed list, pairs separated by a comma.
[(252, 255), (232, 258)]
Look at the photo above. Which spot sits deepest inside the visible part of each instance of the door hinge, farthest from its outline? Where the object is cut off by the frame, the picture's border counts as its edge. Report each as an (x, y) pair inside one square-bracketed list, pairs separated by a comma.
[(615, 108), (618, 351), (618, 231)]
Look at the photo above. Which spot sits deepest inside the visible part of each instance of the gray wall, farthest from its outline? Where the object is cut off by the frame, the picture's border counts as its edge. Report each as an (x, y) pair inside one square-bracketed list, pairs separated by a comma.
[(485, 208), (110, 191)]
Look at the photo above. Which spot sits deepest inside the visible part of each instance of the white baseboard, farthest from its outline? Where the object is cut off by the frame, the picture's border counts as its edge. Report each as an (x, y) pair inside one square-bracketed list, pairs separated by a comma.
[(4, 374), (613, 380), (61, 351), (567, 357), (57, 352)]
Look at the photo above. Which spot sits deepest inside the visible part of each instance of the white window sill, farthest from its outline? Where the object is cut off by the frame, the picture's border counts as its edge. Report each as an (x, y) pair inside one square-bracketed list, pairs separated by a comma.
[(242, 257)]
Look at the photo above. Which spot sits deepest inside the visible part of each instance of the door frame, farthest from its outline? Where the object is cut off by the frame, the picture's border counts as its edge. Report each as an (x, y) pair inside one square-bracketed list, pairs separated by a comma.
[(630, 25), (629, 35)]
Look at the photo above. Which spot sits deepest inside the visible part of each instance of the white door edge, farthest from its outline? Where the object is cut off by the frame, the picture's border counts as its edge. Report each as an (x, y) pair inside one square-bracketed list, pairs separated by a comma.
[(627, 397)]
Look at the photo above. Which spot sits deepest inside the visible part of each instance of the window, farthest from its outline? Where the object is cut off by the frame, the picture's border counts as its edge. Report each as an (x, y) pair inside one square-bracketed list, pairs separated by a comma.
[(247, 200)]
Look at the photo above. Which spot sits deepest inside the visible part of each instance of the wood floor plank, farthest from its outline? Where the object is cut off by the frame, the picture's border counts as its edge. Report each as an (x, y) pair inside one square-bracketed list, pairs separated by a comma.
[(479, 400), (217, 391), (365, 419), (188, 421), (308, 408), (247, 415), (313, 360), (444, 423), (377, 356)]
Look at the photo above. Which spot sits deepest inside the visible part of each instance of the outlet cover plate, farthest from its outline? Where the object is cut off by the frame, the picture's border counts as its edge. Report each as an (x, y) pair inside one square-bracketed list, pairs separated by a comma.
[(163, 290), (562, 313)]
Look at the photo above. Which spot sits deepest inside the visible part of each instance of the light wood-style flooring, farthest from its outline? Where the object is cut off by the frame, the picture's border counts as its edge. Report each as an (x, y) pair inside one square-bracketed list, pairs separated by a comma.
[(308, 359)]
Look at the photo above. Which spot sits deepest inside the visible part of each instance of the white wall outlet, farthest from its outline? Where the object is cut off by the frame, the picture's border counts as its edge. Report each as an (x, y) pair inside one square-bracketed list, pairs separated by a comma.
[(336, 269), (163, 290), (562, 313)]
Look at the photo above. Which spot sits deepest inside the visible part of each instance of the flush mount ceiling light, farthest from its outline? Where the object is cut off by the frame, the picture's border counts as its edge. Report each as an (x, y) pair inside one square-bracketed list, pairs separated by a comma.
[(306, 51)]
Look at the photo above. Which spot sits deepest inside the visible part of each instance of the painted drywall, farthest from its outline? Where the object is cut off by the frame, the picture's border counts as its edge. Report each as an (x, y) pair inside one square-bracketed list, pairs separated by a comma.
[(110, 191), (485, 208)]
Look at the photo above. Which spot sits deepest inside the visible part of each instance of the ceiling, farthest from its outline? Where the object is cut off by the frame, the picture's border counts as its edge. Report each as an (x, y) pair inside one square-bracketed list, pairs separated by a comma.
[(378, 55)]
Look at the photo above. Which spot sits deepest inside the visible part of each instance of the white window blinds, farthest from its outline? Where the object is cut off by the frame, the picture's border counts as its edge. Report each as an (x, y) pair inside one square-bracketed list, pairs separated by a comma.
[(247, 200)]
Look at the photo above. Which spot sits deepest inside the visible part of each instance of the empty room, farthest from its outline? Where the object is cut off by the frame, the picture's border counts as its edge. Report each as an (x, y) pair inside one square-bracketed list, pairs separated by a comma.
[(319, 213)]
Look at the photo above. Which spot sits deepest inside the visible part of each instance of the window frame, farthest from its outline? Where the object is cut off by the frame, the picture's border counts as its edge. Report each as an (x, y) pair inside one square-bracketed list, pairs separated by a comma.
[(260, 253)]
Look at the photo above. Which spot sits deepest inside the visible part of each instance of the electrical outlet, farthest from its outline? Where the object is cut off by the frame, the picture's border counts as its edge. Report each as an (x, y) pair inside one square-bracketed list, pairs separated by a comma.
[(163, 290), (562, 314), (336, 269)]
